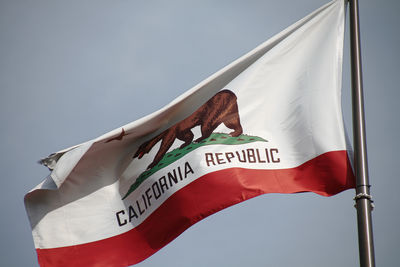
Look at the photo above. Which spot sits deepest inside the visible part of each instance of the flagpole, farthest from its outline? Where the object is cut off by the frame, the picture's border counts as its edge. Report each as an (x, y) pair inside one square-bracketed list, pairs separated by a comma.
[(363, 197)]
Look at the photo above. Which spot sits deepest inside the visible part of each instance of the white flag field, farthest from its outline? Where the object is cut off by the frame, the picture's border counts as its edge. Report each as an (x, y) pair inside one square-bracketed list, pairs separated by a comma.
[(270, 122)]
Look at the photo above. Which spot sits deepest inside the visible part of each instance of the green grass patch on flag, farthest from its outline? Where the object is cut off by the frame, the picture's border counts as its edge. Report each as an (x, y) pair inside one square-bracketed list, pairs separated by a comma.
[(174, 155)]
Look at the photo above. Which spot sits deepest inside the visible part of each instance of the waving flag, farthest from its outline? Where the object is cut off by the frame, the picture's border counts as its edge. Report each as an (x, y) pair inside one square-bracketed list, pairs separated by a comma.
[(270, 122)]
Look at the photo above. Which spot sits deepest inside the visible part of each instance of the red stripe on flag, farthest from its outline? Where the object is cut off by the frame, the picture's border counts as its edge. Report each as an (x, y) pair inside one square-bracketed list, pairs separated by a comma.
[(326, 175)]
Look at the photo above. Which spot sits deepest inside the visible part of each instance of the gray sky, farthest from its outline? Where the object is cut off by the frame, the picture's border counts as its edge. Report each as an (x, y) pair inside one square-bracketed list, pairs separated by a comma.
[(73, 70)]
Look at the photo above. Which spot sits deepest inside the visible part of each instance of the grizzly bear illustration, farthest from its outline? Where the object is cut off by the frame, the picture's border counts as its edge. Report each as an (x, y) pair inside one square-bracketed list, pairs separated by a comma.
[(221, 108)]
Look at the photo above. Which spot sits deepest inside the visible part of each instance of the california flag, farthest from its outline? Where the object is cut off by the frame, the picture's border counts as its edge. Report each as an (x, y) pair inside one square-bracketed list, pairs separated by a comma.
[(270, 122)]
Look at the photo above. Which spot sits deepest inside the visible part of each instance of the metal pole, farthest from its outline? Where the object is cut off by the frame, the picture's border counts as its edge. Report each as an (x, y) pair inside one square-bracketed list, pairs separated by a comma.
[(362, 198)]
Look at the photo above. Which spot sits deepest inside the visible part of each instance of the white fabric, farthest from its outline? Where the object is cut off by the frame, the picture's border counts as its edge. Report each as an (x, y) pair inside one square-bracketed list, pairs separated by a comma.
[(288, 92)]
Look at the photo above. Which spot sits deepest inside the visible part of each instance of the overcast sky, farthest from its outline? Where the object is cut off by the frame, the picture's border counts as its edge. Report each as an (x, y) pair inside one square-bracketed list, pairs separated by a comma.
[(73, 70)]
